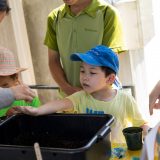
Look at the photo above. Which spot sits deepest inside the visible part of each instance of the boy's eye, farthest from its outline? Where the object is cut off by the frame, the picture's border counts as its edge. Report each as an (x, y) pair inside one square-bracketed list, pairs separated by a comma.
[(82, 71)]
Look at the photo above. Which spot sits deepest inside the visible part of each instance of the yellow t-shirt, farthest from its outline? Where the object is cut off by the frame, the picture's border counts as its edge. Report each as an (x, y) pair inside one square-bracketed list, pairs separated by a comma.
[(123, 107)]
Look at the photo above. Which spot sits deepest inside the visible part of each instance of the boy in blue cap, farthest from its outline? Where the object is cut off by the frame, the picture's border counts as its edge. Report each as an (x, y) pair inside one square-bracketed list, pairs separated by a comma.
[(98, 70)]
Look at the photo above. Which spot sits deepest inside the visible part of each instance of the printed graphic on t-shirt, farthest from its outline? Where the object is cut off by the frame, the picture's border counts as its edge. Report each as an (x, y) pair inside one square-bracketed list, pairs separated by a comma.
[(89, 110)]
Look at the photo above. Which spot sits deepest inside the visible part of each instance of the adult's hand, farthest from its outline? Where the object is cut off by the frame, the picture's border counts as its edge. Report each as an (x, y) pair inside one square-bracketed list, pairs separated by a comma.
[(23, 92), (154, 98)]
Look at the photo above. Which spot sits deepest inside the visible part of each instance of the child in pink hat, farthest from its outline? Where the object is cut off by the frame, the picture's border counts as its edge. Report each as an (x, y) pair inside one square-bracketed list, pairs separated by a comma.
[(8, 71), (9, 77)]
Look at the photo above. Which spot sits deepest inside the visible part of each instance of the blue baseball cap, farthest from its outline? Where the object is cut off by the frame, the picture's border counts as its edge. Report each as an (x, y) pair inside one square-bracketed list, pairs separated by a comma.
[(99, 56)]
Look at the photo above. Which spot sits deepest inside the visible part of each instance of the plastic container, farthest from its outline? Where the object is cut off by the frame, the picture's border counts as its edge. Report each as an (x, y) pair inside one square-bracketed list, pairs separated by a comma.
[(60, 136)]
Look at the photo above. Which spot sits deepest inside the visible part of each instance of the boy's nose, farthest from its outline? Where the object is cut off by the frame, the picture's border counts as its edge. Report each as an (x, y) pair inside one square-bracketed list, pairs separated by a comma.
[(86, 78)]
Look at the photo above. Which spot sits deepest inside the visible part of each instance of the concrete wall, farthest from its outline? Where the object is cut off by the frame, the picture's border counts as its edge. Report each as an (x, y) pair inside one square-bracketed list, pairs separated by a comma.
[(14, 36), (150, 34), (8, 40), (128, 12), (141, 25), (36, 19), (132, 62)]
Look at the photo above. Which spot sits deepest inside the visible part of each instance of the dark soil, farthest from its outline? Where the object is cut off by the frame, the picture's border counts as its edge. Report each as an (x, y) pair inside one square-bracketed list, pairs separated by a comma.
[(28, 139)]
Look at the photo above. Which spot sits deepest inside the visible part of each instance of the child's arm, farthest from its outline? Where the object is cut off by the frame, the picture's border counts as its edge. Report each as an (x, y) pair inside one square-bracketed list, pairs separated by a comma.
[(48, 108)]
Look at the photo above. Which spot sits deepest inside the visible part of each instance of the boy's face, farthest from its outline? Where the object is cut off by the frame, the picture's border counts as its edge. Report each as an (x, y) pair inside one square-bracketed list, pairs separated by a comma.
[(8, 81), (92, 78), (2, 15)]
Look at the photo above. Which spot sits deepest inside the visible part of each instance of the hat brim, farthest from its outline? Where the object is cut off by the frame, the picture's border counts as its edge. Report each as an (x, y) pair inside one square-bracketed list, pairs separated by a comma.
[(2, 73), (85, 58), (90, 60)]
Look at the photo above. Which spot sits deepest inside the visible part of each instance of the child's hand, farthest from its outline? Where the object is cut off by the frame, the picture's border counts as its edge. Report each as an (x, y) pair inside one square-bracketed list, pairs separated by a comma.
[(26, 110), (11, 112)]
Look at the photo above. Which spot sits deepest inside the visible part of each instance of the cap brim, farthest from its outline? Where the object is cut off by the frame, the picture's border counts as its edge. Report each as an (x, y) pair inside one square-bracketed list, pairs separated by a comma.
[(85, 58)]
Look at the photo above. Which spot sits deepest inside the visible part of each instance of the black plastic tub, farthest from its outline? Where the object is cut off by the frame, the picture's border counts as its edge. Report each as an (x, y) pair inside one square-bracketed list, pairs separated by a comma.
[(60, 136)]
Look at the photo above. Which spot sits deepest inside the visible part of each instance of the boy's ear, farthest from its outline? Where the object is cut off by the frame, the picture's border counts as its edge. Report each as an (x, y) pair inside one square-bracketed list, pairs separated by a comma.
[(111, 78)]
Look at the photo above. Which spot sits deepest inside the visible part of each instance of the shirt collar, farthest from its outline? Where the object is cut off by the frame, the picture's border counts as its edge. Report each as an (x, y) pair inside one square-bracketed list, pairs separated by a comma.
[(91, 10)]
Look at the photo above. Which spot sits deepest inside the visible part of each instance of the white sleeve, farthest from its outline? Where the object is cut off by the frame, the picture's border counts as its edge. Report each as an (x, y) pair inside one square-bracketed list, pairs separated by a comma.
[(6, 97), (148, 149)]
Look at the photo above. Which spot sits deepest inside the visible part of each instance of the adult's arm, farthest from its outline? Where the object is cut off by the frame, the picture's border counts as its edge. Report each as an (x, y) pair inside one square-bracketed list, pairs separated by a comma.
[(58, 72), (56, 69)]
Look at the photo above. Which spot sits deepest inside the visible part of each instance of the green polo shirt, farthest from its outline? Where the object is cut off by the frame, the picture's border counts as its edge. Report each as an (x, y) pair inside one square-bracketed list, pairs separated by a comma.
[(66, 33)]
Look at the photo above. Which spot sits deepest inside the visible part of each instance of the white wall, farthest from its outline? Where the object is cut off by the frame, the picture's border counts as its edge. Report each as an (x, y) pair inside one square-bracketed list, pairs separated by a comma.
[(150, 23), (141, 27), (132, 64)]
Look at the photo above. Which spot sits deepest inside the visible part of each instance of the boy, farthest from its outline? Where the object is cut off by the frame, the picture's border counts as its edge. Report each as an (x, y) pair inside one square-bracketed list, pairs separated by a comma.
[(98, 70), (9, 77)]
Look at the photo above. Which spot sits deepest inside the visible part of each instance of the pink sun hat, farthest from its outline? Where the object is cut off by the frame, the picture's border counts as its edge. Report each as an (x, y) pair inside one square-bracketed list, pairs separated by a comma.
[(8, 63)]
